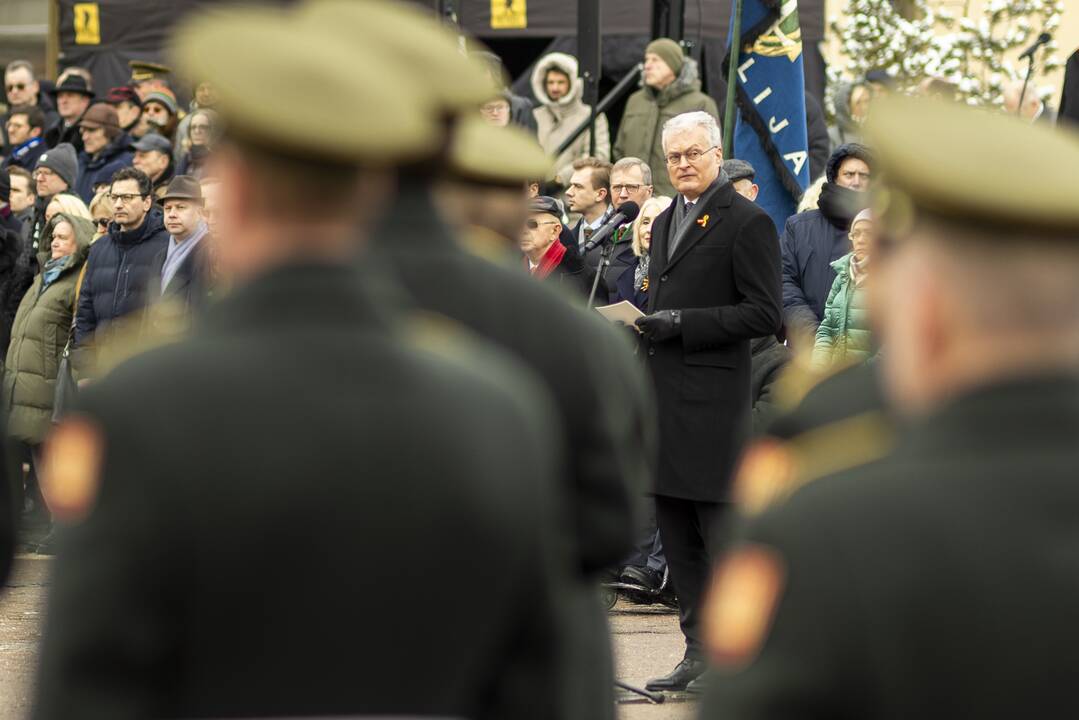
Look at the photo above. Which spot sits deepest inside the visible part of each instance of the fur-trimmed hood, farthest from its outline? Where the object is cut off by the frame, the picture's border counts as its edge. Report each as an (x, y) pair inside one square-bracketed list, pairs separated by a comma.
[(564, 63)]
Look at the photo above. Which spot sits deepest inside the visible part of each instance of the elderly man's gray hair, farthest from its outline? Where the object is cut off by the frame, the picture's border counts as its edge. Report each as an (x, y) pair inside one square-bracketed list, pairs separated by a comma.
[(692, 121), (631, 162)]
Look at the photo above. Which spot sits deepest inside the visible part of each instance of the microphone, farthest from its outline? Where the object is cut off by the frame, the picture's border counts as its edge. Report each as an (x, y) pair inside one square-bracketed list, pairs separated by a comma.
[(627, 212), (1042, 39)]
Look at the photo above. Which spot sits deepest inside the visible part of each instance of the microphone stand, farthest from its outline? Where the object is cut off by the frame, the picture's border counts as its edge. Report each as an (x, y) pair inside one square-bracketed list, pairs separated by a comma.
[(605, 252), (1026, 81)]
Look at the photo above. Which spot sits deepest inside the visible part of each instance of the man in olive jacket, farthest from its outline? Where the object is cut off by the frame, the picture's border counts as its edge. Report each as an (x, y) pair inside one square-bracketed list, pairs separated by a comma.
[(670, 86)]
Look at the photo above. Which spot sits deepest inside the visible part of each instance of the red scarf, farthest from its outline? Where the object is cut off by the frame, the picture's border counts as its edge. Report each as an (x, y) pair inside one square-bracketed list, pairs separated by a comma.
[(550, 259)]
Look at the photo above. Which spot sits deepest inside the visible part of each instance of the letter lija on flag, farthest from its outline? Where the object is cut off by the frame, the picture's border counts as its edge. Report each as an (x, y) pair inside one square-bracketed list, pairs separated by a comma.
[(770, 130)]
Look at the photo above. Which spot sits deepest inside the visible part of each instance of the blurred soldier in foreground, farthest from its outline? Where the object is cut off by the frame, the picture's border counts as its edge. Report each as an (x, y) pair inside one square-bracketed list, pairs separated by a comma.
[(941, 580), (256, 513), (586, 364)]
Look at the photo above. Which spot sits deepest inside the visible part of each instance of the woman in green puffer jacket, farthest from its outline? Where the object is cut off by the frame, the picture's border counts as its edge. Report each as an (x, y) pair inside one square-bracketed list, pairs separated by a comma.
[(844, 336), (41, 329)]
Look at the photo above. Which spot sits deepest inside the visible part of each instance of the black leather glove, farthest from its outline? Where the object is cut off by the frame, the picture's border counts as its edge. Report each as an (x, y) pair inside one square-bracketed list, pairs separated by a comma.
[(663, 325)]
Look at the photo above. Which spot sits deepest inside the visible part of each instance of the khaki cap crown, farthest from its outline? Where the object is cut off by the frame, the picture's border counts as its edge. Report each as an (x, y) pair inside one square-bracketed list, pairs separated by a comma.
[(291, 88), (484, 153), (960, 164), (410, 39)]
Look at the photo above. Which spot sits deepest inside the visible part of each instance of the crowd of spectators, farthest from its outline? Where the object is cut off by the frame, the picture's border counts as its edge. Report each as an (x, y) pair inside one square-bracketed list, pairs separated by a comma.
[(101, 216)]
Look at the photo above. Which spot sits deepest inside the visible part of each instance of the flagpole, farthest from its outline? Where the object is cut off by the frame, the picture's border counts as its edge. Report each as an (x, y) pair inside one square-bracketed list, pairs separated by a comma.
[(732, 80)]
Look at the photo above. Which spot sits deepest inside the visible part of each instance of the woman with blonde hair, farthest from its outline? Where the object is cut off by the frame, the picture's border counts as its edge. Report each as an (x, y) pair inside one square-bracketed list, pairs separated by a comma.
[(632, 284), (67, 204), (101, 210)]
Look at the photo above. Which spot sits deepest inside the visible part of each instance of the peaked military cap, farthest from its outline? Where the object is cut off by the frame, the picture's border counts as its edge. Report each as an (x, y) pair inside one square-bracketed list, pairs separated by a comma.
[(946, 160), (410, 39), (304, 91), (143, 70), (492, 155)]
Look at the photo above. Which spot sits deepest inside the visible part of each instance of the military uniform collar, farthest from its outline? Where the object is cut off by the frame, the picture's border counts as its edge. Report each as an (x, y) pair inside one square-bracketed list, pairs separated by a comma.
[(307, 293), (1042, 407)]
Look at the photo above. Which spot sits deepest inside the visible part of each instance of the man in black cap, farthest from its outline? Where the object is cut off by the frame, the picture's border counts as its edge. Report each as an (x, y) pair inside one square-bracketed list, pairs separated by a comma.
[(73, 96), (547, 258), (153, 155), (56, 171)]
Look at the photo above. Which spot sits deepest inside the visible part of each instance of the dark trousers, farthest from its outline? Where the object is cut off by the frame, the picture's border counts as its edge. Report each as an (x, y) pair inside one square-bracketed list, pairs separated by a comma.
[(689, 532), (648, 551)]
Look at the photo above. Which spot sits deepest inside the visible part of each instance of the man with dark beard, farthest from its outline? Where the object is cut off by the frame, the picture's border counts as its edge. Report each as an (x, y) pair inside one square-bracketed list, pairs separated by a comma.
[(813, 240)]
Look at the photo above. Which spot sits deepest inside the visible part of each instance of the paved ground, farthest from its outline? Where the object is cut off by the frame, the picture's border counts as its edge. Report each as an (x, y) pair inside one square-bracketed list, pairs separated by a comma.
[(646, 640)]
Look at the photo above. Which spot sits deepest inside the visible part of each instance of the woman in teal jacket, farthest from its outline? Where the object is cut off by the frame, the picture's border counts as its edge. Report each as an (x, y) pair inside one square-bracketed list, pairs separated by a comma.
[(844, 336)]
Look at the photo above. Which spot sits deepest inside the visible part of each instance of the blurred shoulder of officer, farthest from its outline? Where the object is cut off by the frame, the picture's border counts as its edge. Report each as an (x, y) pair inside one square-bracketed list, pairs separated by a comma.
[(262, 516), (586, 364), (941, 580)]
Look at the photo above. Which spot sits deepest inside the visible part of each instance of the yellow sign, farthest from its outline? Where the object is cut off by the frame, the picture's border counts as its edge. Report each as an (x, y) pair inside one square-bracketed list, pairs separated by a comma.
[(508, 15), (87, 23)]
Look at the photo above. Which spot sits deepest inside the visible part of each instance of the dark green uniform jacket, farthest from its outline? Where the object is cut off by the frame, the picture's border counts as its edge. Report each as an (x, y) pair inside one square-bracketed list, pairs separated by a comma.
[(41, 329), (640, 134), (270, 535), (604, 416), (940, 582)]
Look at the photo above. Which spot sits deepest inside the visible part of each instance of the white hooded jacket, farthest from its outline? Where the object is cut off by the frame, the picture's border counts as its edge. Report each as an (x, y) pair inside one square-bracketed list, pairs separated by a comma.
[(556, 120)]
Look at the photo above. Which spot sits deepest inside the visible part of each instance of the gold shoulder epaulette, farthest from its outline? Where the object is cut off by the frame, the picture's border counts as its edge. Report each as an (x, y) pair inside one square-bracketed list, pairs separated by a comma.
[(772, 469)]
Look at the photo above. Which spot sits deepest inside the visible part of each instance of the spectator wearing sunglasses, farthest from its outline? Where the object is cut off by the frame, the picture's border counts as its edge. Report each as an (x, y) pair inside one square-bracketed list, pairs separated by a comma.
[(547, 258), (21, 88), (101, 212), (121, 262)]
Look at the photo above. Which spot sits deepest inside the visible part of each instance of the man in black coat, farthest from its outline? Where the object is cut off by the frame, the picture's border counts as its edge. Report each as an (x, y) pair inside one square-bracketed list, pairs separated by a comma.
[(939, 580), (255, 512), (714, 285)]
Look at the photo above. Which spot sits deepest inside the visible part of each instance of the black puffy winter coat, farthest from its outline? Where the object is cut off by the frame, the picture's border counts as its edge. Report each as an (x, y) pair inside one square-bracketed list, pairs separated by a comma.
[(118, 270)]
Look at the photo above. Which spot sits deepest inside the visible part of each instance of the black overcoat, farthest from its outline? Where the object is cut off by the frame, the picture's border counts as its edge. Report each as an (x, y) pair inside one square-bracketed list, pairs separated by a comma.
[(725, 278)]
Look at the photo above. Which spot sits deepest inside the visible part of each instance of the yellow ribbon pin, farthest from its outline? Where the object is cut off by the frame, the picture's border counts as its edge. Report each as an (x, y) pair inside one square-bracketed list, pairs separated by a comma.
[(703, 221)]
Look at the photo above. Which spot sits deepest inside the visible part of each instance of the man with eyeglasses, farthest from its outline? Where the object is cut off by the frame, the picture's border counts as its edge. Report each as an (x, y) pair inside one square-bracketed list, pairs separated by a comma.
[(56, 172), (547, 258), (631, 180), (713, 286), (122, 261)]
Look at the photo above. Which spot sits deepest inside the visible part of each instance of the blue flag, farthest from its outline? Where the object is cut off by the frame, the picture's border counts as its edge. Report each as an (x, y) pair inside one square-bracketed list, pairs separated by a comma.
[(770, 132)]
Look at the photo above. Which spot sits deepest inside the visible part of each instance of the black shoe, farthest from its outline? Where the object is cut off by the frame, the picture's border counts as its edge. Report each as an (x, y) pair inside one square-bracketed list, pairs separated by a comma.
[(644, 577), (683, 674), (699, 685)]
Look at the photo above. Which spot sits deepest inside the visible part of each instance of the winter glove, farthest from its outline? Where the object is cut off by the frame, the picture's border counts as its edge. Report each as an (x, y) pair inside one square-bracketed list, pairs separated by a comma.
[(663, 325)]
